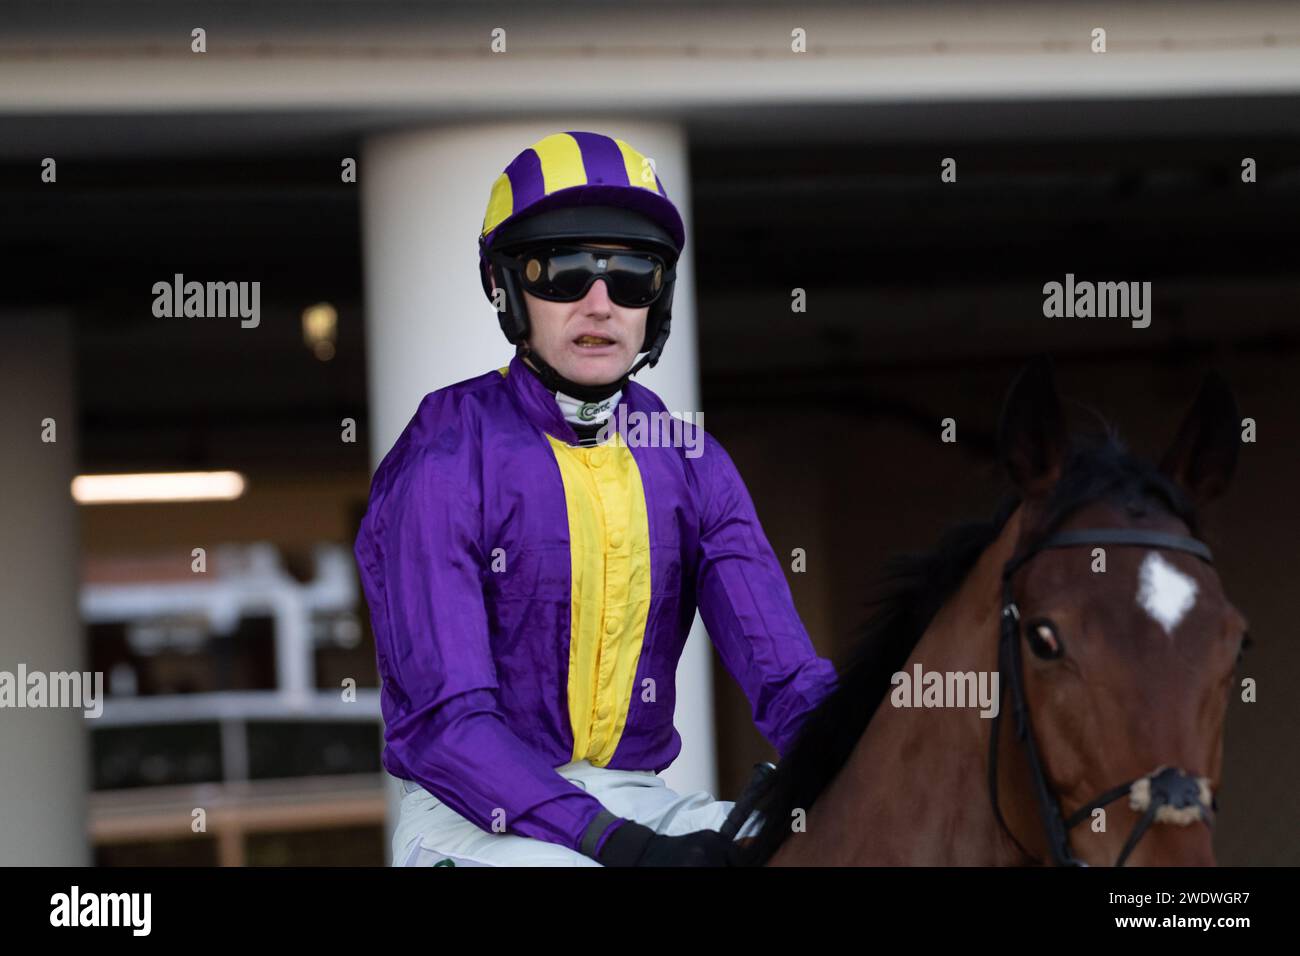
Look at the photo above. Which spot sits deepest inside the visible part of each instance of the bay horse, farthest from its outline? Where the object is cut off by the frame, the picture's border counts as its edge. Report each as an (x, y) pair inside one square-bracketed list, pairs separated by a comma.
[(1090, 597)]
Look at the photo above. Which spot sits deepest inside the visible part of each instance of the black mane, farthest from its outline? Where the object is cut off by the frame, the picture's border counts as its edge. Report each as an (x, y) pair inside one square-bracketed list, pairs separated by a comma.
[(914, 588)]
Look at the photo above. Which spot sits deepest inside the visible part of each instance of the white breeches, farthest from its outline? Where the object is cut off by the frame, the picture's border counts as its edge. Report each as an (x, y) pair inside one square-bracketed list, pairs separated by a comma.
[(430, 833)]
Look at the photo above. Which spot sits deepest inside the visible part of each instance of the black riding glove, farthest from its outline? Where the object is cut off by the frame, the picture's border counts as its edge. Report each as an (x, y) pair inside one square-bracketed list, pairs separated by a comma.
[(634, 844)]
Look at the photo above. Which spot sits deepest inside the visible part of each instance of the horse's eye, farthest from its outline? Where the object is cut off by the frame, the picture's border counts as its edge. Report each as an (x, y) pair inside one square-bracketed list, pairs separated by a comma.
[(1246, 643), (1043, 639)]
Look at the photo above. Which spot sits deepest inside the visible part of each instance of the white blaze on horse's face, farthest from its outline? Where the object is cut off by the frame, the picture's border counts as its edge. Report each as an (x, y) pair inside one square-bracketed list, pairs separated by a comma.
[(1164, 592)]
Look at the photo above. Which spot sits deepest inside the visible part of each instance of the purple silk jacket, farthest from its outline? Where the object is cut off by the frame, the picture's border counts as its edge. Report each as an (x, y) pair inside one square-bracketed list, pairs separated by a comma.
[(465, 559)]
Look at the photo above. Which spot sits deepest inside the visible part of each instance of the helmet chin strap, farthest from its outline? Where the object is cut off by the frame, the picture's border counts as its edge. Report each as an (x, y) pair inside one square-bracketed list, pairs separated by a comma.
[(556, 382)]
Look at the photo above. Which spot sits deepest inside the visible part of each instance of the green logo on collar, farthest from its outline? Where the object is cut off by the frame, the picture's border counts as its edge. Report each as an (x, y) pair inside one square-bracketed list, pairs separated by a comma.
[(587, 411)]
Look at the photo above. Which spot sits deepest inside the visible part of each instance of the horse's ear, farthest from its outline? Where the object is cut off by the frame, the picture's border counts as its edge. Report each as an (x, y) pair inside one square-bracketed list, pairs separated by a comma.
[(1204, 454), (1031, 432)]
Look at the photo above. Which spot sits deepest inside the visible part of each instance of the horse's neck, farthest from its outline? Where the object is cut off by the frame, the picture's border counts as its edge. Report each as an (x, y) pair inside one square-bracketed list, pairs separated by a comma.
[(915, 789)]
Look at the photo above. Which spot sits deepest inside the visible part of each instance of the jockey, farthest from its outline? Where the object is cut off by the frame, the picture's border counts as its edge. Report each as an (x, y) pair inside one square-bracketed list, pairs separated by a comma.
[(532, 574)]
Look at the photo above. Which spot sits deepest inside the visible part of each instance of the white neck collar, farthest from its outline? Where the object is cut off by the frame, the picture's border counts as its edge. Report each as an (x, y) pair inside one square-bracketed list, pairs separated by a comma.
[(578, 412)]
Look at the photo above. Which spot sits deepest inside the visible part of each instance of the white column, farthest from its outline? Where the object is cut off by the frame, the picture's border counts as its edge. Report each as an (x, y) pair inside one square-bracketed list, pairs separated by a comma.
[(43, 752), (428, 323)]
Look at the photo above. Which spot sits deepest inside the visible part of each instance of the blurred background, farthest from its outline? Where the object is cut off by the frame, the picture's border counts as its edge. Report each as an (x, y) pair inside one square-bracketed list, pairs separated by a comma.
[(241, 679)]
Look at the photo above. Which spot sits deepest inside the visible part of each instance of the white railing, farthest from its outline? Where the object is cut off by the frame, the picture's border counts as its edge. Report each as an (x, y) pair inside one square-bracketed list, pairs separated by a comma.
[(246, 579)]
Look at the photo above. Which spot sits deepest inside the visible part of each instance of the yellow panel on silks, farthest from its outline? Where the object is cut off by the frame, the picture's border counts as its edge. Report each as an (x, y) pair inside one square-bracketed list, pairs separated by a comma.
[(501, 203), (561, 160), (609, 553), (640, 172)]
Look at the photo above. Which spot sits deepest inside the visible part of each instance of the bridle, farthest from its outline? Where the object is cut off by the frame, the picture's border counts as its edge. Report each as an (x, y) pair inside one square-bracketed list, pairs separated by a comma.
[(1166, 795)]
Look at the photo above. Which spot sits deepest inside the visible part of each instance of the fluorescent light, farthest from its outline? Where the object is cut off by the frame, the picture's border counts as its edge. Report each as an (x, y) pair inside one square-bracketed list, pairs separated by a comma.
[(158, 486)]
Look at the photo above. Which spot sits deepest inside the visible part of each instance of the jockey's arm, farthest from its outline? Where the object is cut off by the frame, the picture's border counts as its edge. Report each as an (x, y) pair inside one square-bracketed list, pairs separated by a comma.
[(746, 605), (420, 562)]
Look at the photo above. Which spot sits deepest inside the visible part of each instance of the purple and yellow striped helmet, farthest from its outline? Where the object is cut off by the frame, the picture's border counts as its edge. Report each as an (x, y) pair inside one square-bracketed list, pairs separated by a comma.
[(581, 185)]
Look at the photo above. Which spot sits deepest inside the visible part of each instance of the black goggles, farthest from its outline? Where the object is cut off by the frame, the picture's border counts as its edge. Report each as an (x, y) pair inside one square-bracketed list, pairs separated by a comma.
[(564, 273)]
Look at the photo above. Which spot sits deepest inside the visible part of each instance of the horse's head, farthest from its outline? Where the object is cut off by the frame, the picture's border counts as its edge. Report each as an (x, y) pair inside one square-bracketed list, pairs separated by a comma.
[(1128, 650)]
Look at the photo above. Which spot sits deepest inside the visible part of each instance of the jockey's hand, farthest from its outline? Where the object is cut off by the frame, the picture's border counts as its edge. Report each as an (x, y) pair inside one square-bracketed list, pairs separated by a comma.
[(634, 844)]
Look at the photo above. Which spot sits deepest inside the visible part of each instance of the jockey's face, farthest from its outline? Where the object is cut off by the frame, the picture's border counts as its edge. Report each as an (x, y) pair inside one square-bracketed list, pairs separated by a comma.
[(558, 332)]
